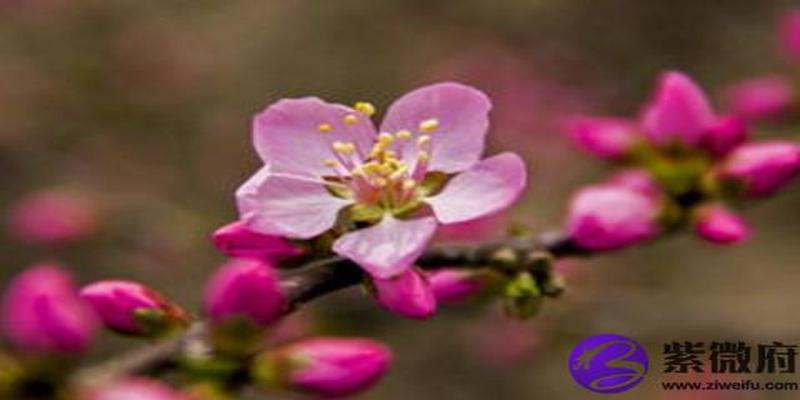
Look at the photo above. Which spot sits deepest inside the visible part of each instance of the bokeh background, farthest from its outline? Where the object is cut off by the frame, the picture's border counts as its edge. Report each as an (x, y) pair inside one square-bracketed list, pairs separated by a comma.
[(137, 113)]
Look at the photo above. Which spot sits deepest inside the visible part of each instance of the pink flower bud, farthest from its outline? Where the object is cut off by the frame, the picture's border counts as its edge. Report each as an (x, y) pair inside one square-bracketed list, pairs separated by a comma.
[(719, 225), (52, 218), (725, 134), (637, 180), (761, 98), (607, 217), (132, 308), (236, 240), (408, 294), (789, 34), (42, 312), (135, 389), (450, 285), (246, 288), (762, 168), (679, 112), (608, 138), (327, 366)]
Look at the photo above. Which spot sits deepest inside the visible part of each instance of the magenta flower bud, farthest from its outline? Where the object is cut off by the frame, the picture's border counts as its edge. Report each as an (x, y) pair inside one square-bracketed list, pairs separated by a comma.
[(451, 285), (247, 288), (678, 113), (725, 134), (236, 240), (52, 218), (132, 308), (325, 366), (134, 389), (762, 168), (408, 294), (607, 138), (789, 34), (637, 180), (43, 314), (608, 217), (719, 225), (761, 98)]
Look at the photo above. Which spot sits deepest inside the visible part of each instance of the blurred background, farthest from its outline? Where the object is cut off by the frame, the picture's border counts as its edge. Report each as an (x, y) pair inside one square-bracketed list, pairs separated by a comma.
[(129, 122)]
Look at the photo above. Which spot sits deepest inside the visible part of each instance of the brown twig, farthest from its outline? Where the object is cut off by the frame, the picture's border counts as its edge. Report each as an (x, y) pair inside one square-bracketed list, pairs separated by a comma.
[(320, 277)]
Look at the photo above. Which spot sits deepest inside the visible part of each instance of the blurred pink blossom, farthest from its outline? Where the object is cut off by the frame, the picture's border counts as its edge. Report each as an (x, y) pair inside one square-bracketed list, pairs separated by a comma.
[(762, 168), (52, 217), (765, 97), (42, 312), (789, 34), (452, 285), (719, 225), (608, 217), (135, 389), (236, 240)]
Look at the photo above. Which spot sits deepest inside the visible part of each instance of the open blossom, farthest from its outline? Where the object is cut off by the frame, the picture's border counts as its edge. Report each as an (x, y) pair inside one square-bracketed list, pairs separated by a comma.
[(606, 137), (719, 225), (789, 34), (247, 288), (408, 294), (237, 240), (134, 389), (52, 217), (122, 305), (42, 312), (326, 366), (762, 168), (607, 217), (322, 158), (761, 98)]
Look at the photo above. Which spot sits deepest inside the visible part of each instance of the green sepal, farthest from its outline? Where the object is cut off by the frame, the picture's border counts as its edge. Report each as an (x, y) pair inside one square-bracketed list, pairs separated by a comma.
[(522, 296), (433, 183), (365, 213), (237, 336)]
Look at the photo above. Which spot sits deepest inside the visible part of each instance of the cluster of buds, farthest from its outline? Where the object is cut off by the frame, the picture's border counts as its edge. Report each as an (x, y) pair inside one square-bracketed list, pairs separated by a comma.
[(684, 165)]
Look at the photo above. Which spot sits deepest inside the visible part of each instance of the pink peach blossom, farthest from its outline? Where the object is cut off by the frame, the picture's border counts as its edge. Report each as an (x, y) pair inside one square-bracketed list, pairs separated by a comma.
[(451, 285), (248, 288), (42, 312), (725, 134), (679, 111), (719, 225), (322, 158), (237, 240), (334, 367), (408, 294), (117, 303), (608, 217), (762, 168)]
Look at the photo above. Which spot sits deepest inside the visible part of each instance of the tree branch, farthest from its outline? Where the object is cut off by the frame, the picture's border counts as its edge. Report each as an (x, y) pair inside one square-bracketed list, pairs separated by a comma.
[(320, 277)]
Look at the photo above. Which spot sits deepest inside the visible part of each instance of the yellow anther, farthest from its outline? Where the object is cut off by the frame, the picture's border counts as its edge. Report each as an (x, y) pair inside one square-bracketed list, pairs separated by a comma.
[(350, 119), (403, 134), (325, 127), (381, 182), (385, 169), (358, 172), (390, 155), (429, 125), (343, 148), (330, 162), (423, 141), (385, 139), (365, 108), (398, 172), (409, 184)]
